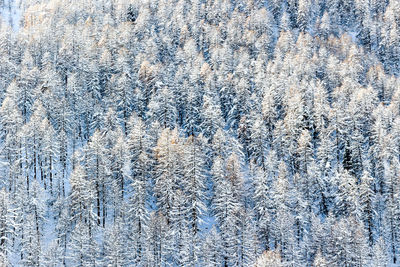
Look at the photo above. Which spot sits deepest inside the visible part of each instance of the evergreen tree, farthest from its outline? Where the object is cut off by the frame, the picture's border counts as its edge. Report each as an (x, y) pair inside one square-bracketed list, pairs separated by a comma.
[(211, 248), (195, 186), (98, 170), (83, 250), (115, 252), (169, 176), (227, 206)]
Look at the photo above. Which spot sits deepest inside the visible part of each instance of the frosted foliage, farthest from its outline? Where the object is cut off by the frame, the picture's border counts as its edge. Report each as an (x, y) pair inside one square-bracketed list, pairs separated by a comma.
[(200, 133)]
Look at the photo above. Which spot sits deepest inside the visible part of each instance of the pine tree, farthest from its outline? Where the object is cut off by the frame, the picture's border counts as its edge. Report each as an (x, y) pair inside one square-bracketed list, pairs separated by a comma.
[(367, 204), (119, 161), (195, 186), (380, 253), (63, 227), (211, 250), (211, 116), (158, 240), (81, 196), (34, 138), (347, 198), (32, 230), (124, 97), (11, 122), (83, 248), (304, 152), (98, 170), (258, 143), (192, 119), (169, 176), (391, 212), (284, 233), (115, 251), (138, 211), (22, 89), (162, 108), (304, 14), (227, 206), (179, 247), (263, 199), (248, 247), (7, 227), (31, 243), (51, 257), (48, 156)]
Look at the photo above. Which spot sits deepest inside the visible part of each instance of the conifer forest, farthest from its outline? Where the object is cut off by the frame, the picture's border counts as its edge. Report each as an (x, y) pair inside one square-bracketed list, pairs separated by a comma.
[(225, 133)]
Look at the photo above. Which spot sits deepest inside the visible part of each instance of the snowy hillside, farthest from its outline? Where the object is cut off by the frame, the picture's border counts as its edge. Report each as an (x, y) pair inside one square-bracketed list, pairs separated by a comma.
[(200, 133)]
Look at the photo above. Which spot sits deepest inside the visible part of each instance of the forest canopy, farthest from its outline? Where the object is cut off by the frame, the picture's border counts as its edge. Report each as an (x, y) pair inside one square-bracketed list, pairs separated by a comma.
[(200, 133)]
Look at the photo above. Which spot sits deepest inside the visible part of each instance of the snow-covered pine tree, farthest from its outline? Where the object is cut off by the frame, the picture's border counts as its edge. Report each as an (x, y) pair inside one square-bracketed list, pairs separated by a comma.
[(97, 164)]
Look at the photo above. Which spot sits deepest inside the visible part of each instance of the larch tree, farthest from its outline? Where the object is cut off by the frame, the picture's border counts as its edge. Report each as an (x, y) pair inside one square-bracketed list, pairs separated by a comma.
[(115, 253), (82, 245), (269, 258), (227, 203), (195, 187), (97, 164), (211, 248), (263, 199), (11, 121), (169, 175), (162, 108), (7, 227)]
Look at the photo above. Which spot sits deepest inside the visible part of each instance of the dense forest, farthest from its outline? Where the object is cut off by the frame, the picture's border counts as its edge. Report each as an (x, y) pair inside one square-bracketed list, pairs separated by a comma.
[(200, 133)]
